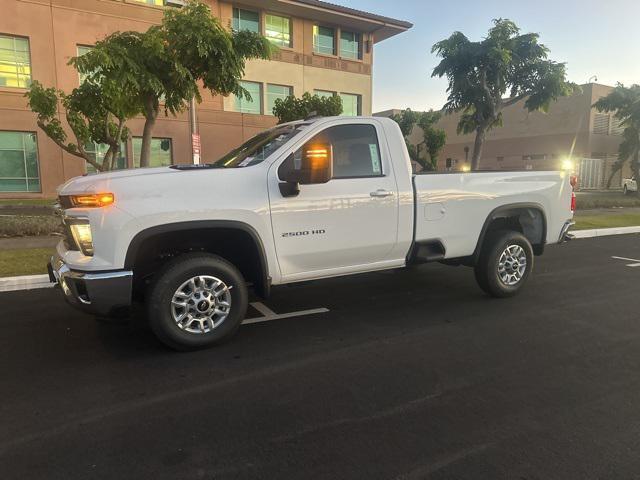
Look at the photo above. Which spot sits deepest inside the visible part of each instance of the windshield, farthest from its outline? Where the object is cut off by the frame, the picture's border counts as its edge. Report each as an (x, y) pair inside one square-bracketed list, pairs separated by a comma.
[(256, 149)]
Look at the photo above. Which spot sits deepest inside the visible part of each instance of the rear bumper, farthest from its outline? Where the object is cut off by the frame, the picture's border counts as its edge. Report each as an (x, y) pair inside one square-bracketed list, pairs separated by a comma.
[(104, 293), (564, 233)]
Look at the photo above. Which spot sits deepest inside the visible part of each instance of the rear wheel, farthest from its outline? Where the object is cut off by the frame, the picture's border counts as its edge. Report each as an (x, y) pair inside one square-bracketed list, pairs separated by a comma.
[(504, 264), (196, 300)]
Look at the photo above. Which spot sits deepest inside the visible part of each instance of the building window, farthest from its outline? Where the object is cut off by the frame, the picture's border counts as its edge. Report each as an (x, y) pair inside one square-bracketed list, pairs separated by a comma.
[(15, 62), (274, 92), (157, 3), (350, 45), (161, 152), (324, 93), (97, 151), (19, 162), (254, 105), (81, 50), (351, 104), (278, 30), (246, 20), (324, 40)]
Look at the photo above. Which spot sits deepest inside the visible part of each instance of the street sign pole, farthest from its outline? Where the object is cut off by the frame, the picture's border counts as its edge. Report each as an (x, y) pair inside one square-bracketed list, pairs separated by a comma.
[(195, 136)]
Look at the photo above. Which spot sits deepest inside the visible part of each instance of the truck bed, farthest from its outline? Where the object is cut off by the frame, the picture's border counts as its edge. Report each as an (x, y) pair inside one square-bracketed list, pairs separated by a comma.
[(452, 208)]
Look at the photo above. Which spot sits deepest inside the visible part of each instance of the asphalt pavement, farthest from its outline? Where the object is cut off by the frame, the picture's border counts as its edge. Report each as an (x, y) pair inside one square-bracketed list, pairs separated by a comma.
[(410, 374)]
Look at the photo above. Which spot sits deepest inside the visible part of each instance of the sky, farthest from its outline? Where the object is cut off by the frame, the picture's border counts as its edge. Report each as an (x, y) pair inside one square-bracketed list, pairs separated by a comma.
[(593, 37)]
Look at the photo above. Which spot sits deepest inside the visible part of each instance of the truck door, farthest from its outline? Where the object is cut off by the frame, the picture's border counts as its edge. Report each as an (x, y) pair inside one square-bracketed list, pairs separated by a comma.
[(349, 223)]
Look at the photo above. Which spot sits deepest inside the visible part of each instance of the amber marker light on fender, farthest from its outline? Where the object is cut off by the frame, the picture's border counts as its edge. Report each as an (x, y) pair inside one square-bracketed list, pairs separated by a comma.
[(93, 200)]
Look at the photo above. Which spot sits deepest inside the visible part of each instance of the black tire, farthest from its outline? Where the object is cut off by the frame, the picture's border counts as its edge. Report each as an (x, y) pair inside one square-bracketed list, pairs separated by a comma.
[(174, 274), (486, 268)]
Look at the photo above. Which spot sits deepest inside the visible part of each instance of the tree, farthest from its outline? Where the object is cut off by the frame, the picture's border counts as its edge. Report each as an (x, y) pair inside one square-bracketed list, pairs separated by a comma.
[(480, 74), (94, 114), (406, 120), (139, 73), (433, 138), (624, 102), (165, 63), (292, 108)]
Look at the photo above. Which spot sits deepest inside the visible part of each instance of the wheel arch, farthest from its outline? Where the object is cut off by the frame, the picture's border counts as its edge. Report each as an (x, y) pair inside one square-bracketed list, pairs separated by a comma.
[(206, 236), (530, 217)]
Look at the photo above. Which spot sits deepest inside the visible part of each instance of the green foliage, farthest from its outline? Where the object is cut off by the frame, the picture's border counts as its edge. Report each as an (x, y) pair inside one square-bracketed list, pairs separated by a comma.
[(406, 120), (196, 41), (481, 74), (93, 114), (624, 102), (434, 139), (292, 108)]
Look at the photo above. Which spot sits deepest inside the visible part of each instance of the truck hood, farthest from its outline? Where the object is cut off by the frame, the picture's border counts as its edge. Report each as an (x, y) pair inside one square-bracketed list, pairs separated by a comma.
[(102, 182), (172, 194)]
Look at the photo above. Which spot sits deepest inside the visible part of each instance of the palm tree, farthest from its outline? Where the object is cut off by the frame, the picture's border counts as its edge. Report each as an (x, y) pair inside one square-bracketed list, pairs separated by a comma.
[(624, 102)]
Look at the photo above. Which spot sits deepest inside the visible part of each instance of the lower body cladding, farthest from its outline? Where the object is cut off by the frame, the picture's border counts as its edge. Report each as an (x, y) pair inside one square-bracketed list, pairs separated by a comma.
[(103, 293)]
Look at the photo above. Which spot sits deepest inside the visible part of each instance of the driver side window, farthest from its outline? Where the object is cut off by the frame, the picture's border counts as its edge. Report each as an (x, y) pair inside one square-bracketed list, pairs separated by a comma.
[(356, 151)]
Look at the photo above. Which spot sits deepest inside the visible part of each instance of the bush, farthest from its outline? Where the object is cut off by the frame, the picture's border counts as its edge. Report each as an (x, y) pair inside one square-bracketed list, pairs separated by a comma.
[(588, 201), (28, 226)]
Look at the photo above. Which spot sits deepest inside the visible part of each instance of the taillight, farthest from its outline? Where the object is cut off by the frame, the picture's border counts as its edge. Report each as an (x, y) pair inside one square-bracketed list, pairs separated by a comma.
[(573, 201)]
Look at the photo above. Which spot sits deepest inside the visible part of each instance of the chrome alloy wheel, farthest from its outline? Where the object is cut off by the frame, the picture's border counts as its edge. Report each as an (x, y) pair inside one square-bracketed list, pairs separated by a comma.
[(201, 304), (512, 265)]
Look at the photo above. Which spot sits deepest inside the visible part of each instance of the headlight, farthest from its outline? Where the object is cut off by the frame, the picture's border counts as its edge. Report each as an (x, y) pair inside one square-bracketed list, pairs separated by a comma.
[(81, 232)]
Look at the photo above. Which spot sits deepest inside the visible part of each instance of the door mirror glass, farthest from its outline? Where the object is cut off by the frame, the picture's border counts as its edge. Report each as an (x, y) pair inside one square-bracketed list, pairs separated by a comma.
[(313, 163)]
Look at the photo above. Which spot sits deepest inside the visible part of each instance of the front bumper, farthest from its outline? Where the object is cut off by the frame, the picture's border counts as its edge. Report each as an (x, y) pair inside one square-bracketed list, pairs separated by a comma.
[(103, 293)]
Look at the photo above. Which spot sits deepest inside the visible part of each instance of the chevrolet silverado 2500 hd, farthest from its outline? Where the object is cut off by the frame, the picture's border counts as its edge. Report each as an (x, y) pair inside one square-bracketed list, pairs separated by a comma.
[(303, 201)]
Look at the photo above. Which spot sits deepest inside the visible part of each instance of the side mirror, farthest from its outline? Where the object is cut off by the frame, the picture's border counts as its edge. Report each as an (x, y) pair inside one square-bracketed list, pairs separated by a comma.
[(310, 165)]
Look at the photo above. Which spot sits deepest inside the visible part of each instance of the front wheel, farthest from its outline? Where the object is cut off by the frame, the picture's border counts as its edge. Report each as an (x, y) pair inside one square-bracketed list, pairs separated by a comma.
[(196, 300), (504, 264)]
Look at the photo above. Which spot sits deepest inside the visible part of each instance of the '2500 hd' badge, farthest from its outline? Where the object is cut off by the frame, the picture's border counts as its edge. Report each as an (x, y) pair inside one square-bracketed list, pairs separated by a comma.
[(304, 233)]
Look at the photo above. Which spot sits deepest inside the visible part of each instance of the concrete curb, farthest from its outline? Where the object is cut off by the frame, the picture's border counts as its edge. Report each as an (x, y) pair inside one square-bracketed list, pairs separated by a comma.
[(25, 282), (603, 232)]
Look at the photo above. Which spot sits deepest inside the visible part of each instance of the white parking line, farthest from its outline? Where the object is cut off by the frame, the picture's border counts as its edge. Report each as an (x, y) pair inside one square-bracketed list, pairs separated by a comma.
[(270, 315), (635, 264)]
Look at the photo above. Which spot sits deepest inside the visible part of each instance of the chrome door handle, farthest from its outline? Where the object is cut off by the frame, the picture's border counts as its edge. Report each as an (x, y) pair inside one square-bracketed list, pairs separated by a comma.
[(381, 193)]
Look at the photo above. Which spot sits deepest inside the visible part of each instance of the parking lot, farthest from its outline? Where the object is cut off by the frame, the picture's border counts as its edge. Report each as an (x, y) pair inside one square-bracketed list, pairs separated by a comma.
[(407, 374)]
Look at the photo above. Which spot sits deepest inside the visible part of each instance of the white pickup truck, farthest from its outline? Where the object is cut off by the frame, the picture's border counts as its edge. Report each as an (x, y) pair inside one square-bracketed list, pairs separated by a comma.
[(303, 201)]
